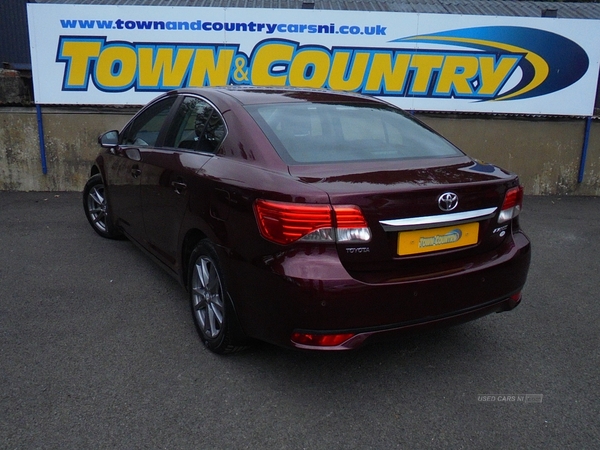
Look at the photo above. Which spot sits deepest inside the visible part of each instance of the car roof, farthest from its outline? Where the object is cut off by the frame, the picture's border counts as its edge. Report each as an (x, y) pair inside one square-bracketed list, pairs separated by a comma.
[(254, 95)]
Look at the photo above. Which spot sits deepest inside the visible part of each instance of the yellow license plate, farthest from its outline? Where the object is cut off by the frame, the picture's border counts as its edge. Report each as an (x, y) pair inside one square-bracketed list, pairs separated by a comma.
[(435, 239)]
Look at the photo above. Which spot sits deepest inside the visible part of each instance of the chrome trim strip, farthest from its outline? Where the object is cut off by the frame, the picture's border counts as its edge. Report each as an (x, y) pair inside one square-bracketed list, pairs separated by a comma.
[(425, 221)]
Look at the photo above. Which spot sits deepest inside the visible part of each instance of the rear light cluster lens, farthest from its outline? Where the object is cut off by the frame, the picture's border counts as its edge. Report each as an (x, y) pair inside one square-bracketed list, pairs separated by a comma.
[(320, 340), (288, 222), (351, 225), (513, 203), (284, 223)]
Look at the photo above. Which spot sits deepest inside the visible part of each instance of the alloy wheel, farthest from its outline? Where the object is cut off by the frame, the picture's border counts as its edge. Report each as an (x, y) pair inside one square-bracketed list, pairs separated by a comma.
[(96, 206), (207, 297)]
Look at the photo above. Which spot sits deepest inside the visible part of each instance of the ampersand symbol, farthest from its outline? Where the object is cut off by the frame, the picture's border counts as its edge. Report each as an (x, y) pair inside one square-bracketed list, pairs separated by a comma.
[(240, 74)]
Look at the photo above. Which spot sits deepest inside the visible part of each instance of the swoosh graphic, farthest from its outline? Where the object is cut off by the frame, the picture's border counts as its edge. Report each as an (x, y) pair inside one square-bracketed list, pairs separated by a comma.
[(551, 62)]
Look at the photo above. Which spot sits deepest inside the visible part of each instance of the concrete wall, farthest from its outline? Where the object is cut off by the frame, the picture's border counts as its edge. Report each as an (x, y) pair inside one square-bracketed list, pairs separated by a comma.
[(71, 146), (544, 152)]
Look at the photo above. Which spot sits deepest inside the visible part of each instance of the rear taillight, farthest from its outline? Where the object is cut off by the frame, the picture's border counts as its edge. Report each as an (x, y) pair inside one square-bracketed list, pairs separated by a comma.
[(513, 202), (284, 223)]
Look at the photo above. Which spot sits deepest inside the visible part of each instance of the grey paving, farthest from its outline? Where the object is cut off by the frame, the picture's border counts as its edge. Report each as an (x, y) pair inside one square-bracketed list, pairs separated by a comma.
[(97, 350)]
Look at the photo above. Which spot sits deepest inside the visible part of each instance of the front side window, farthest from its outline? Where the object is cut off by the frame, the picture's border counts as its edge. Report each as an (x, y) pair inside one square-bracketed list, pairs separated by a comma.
[(197, 126), (143, 131), (308, 133)]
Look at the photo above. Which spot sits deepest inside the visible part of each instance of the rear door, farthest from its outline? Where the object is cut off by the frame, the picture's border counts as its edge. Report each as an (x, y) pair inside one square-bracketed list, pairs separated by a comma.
[(173, 171)]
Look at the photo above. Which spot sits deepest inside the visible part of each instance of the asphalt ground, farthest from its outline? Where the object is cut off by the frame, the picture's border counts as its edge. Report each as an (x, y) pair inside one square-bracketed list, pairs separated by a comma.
[(98, 350)]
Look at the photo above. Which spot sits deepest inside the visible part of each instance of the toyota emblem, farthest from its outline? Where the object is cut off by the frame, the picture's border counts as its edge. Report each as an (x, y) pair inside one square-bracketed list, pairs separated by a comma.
[(448, 201)]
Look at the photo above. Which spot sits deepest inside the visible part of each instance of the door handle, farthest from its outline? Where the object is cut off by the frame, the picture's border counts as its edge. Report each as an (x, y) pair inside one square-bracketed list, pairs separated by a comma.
[(135, 171), (179, 186)]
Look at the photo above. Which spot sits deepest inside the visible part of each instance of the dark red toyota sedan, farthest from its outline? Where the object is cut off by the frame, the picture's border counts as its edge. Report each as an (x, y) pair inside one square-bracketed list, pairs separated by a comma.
[(308, 218)]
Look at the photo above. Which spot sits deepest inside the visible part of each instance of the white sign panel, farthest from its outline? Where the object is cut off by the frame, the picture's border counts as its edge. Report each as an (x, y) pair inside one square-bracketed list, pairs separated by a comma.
[(128, 54)]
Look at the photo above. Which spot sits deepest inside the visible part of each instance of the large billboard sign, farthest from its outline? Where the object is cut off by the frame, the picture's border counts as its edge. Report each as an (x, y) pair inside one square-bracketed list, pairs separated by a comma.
[(126, 55)]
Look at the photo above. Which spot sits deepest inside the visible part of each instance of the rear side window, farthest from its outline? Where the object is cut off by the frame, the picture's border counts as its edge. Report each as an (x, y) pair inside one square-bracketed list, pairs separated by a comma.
[(307, 133), (197, 126)]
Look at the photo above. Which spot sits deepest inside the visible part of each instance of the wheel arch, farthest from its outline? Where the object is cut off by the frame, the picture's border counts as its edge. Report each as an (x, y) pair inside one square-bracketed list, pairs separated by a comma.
[(191, 240), (189, 243), (94, 170)]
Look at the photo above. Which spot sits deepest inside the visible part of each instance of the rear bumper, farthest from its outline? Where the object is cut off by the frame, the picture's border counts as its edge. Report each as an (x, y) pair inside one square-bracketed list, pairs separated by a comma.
[(310, 291), (390, 332)]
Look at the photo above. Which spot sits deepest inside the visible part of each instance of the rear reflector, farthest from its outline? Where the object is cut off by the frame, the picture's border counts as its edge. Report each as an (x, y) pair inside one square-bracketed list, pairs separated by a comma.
[(513, 202), (284, 223), (320, 340)]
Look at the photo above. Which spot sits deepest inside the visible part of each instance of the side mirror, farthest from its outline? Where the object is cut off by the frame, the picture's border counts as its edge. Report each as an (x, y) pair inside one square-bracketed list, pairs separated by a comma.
[(109, 139)]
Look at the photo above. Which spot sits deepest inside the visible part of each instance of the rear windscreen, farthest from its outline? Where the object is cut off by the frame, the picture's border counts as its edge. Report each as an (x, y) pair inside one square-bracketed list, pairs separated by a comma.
[(308, 133)]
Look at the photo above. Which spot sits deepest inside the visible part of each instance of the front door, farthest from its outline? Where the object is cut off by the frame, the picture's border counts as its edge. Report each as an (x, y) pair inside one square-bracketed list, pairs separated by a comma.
[(126, 168)]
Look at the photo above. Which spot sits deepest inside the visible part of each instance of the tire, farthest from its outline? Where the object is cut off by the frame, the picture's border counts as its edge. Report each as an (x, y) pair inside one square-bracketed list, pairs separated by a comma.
[(211, 307), (96, 208)]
